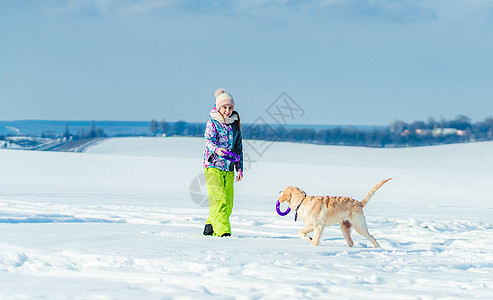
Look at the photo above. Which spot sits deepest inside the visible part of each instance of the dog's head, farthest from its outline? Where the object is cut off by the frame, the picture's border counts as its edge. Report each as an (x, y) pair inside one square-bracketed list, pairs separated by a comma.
[(291, 194)]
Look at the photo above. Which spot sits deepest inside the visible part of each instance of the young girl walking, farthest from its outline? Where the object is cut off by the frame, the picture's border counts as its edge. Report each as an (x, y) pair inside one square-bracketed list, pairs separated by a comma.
[(222, 133)]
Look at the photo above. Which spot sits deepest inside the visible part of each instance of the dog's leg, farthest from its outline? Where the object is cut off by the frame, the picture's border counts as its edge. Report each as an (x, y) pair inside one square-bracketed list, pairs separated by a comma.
[(361, 227), (346, 232), (317, 234), (304, 231)]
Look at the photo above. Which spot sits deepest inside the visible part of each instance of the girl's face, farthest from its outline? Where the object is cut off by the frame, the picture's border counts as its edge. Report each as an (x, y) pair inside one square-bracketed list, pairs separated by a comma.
[(226, 110)]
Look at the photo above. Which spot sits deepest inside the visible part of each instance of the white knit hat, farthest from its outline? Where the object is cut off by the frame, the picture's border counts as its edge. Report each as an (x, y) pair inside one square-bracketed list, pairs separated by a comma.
[(223, 98)]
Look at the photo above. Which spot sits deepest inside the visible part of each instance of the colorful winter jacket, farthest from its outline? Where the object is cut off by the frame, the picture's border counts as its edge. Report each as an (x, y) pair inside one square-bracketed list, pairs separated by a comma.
[(220, 135)]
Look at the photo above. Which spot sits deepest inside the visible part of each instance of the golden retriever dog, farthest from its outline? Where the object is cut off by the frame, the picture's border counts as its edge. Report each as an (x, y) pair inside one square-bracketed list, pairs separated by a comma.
[(318, 212)]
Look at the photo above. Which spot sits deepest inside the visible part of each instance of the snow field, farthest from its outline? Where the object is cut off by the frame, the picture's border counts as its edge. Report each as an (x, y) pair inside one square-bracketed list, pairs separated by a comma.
[(117, 222)]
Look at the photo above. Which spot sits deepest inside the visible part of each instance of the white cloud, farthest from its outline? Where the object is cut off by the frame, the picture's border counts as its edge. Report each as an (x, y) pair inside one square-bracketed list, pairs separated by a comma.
[(144, 6), (386, 10), (326, 3), (80, 7), (456, 10)]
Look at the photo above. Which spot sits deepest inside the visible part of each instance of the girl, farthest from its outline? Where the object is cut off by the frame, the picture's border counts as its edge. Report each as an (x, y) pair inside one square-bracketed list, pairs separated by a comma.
[(223, 132)]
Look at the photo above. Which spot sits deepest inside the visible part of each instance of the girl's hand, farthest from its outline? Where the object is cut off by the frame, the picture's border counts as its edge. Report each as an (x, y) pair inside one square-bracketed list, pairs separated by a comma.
[(219, 151), (239, 175)]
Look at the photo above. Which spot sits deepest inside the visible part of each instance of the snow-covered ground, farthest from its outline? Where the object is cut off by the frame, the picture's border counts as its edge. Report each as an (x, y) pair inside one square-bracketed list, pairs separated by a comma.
[(119, 222), (24, 142)]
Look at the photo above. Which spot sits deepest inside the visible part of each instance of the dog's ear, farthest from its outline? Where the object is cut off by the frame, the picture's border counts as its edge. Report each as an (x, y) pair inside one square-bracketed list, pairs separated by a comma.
[(301, 191), (285, 195)]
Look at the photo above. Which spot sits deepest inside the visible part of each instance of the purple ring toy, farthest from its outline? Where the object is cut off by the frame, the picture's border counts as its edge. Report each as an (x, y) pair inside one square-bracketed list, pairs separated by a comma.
[(278, 208), (231, 156)]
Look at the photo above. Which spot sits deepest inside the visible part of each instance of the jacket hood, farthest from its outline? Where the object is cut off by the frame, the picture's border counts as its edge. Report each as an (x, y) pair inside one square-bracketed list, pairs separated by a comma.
[(213, 110)]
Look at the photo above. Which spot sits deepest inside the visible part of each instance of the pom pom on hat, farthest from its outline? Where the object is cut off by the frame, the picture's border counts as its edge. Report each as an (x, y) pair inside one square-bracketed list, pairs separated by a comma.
[(219, 92), (223, 98)]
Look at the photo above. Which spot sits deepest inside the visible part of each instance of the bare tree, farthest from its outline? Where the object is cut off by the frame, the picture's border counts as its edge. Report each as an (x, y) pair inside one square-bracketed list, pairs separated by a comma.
[(154, 127)]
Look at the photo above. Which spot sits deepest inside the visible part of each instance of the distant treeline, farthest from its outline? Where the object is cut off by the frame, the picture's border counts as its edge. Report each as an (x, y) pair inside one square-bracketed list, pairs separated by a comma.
[(81, 133), (397, 134), (180, 128)]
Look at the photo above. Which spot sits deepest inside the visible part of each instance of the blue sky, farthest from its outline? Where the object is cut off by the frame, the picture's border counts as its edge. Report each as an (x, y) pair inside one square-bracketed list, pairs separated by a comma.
[(343, 61)]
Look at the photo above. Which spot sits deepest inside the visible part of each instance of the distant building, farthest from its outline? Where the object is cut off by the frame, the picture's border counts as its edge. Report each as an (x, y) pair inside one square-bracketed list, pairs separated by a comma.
[(440, 132), (444, 131)]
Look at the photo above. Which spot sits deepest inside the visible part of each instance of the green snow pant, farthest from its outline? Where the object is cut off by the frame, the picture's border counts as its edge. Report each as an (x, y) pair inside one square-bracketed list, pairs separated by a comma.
[(221, 194)]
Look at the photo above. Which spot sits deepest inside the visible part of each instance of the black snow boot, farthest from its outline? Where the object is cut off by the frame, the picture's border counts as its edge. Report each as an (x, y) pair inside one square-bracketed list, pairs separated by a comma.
[(226, 234), (208, 229)]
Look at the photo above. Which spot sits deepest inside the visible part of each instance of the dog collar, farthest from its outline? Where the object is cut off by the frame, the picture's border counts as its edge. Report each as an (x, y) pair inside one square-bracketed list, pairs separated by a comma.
[(298, 207)]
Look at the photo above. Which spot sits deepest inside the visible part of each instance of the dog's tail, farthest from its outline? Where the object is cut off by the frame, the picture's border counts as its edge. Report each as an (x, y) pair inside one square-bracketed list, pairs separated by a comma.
[(372, 191)]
